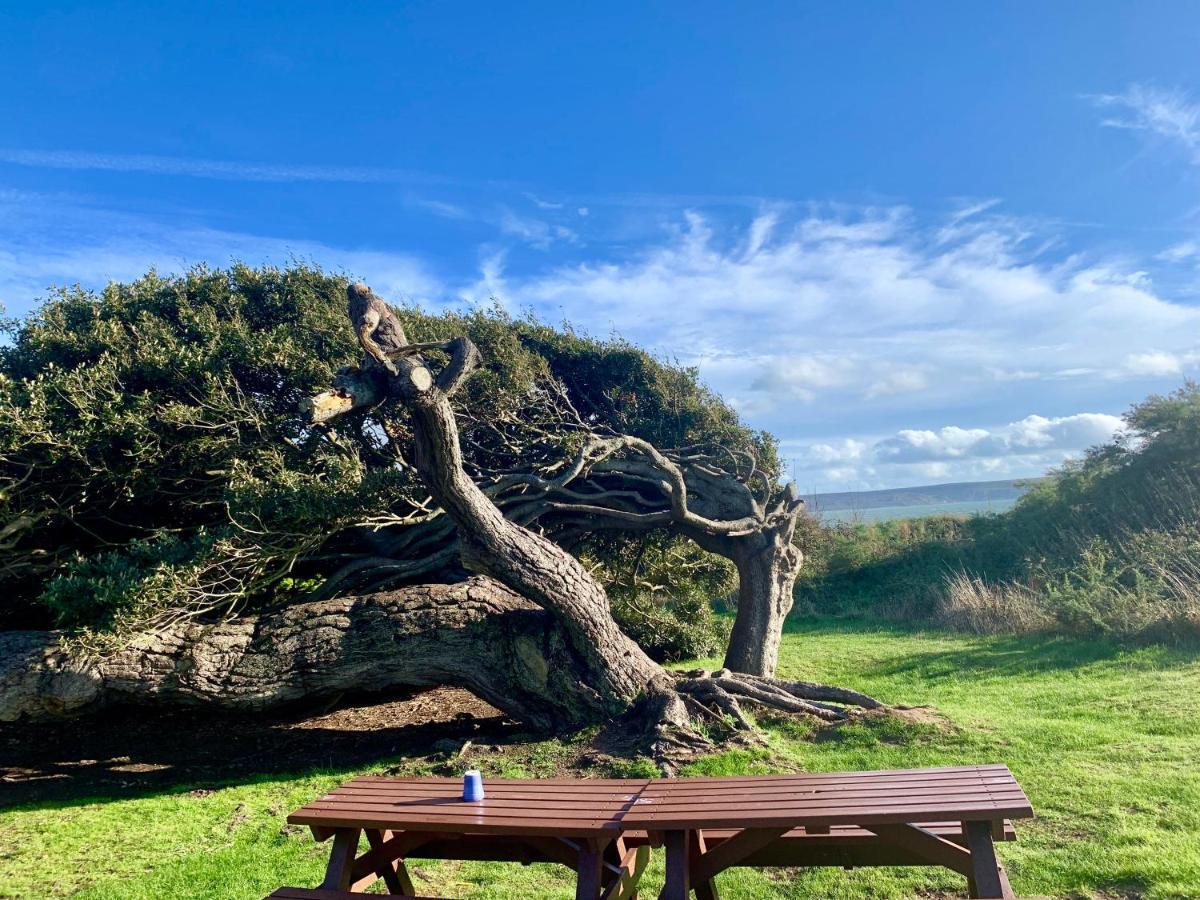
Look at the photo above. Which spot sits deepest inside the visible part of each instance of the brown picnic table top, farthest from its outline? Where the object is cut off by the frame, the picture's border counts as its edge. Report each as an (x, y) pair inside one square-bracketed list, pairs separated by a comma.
[(582, 807), (552, 807), (962, 793), (601, 827)]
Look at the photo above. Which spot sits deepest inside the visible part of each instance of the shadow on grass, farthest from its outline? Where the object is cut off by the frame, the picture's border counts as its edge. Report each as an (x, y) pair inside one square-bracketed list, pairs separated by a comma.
[(130, 752)]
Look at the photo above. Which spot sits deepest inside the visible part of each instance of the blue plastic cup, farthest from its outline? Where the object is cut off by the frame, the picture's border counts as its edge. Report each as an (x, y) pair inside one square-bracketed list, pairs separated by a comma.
[(473, 786)]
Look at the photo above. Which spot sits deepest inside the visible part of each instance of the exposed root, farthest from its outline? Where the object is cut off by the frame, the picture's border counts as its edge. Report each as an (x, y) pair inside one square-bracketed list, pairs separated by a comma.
[(676, 719), (721, 693)]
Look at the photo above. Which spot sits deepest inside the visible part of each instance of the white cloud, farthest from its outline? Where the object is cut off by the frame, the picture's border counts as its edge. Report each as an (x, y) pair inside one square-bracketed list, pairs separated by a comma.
[(224, 170), (535, 232), (1031, 435), (1181, 252), (1022, 448), (898, 381), (843, 451), (60, 241), (853, 335), (1167, 114), (540, 203), (442, 209), (1158, 364), (838, 308)]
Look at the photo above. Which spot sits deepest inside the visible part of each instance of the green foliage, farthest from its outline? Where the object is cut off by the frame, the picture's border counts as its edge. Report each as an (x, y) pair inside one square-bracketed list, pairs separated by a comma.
[(153, 462), (662, 592), (1107, 545)]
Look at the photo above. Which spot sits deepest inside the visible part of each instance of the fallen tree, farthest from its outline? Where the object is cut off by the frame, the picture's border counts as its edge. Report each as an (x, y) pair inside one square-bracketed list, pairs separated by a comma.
[(627, 682), (153, 468), (621, 482), (475, 634), (532, 633)]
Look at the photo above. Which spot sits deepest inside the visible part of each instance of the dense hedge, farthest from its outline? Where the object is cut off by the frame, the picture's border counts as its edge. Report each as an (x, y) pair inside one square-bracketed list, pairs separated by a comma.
[(1107, 544), (152, 458)]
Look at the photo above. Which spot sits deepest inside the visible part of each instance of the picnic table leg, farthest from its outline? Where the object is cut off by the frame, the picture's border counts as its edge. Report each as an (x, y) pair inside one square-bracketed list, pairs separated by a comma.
[(623, 867), (705, 890), (590, 869), (394, 873), (678, 884), (340, 870), (988, 879)]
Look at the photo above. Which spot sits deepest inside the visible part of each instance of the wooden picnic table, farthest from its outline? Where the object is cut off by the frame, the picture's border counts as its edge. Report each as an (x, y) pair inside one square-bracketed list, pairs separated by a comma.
[(846, 818), (575, 822), (603, 828)]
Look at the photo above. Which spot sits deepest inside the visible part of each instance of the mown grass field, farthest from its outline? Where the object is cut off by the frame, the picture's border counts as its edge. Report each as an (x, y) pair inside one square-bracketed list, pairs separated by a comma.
[(1105, 741)]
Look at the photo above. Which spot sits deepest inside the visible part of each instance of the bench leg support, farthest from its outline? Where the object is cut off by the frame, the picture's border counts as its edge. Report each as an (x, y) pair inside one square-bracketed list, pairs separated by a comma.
[(340, 871), (394, 874), (590, 869), (705, 889), (678, 883), (987, 875)]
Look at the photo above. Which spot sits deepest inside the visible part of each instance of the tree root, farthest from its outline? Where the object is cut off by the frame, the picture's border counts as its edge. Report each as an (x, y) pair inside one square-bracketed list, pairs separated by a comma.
[(702, 703)]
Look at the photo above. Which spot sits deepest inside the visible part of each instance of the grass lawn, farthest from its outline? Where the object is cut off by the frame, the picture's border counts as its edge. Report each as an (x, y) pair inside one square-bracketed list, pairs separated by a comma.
[(1106, 743)]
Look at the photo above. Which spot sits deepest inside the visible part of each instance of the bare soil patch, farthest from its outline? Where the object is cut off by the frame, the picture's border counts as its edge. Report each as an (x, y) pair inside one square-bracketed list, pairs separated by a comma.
[(124, 752)]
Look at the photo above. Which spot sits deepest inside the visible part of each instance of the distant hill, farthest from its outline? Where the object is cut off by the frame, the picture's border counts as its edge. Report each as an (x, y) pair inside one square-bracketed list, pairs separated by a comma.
[(924, 495)]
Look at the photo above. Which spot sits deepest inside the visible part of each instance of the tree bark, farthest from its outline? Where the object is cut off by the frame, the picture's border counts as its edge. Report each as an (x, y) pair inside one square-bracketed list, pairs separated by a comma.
[(536, 639), (476, 634), (767, 568), (620, 481), (536, 568)]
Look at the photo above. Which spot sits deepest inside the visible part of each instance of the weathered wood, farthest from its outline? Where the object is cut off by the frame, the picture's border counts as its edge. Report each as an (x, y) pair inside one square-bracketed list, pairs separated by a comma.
[(394, 873), (599, 828), (732, 851), (627, 866), (926, 845), (476, 634), (986, 878), (339, 872), (590, 868), (611, 665), (678, 881), (705, 888)]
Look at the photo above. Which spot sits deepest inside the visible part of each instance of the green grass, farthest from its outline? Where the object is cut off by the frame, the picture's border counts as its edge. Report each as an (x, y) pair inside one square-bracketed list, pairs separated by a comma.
[(1105, 741)]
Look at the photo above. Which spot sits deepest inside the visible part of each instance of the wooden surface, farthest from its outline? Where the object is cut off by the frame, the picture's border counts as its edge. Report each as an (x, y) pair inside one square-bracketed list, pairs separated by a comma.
[(957, 793), (602, 828), (583, 807), (554, 807)]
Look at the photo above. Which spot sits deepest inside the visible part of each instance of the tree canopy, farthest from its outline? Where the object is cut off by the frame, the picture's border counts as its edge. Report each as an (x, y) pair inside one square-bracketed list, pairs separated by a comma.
[(155, 464)]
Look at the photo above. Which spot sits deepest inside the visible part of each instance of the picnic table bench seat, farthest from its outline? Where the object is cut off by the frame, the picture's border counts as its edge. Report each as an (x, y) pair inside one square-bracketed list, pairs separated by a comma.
[(604, 829)]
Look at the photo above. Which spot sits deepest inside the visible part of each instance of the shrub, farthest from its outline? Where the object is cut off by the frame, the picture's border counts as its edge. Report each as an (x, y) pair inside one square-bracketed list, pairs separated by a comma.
[(153, 462), (1105, 546)]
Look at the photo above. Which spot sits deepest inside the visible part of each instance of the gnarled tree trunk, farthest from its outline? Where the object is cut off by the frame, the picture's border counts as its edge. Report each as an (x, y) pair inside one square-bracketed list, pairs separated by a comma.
[(477, 635), (624, 482), (625, 679), (541, 644)]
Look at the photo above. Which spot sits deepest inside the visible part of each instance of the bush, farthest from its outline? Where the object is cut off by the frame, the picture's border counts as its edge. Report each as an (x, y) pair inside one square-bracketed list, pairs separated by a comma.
[(1105, 546), (153, 462)]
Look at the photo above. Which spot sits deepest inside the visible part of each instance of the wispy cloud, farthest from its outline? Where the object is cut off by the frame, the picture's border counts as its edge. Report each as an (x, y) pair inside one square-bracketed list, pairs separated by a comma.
[(1028, 445), (871, 307), (535, 232), (836, 328), (224, 170), (1168, 114), (54, 240)]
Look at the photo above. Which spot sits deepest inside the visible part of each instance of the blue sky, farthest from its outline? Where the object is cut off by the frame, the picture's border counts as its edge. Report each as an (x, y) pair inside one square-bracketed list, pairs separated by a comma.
[(919, 242)]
